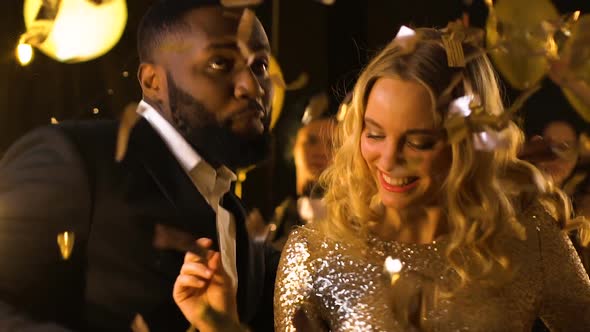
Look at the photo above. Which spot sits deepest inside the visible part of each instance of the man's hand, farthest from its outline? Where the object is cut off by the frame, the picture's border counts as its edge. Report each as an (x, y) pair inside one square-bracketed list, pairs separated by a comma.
[(202, 284)]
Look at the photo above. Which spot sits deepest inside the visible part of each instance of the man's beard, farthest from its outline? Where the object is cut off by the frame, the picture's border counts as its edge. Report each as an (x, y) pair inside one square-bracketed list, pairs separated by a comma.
[(215, 142)]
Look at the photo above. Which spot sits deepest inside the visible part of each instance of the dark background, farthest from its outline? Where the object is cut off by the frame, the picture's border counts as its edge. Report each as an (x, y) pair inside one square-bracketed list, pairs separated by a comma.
[(328, 43)]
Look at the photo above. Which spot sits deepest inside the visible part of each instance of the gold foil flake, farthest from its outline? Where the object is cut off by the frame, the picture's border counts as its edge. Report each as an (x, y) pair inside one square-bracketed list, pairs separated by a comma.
[(65, 242), (240, 3), (170, 238), (278, 81), (467, 117), (455, 35), (245, 29), (139, 324), (454, 50), (317, 106), (521, 45), (129, 119)]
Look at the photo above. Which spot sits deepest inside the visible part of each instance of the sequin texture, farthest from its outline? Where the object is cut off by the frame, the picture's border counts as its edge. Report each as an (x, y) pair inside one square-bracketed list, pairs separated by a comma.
[(324, 285)]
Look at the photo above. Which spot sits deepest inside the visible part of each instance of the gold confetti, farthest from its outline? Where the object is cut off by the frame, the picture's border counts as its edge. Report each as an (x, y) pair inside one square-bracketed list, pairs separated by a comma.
[(65, 242), (518, 42), (139, 324), (129, 119), (278, 81), (245, 28), (299, 83), (240, 3), (454, 50), (317, 106)]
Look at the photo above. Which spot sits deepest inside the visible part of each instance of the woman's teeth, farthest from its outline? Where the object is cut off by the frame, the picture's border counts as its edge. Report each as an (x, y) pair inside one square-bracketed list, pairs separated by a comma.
[(398, 181)]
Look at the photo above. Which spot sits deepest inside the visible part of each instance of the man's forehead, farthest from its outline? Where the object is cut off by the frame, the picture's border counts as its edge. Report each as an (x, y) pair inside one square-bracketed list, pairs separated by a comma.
[(216, 25)]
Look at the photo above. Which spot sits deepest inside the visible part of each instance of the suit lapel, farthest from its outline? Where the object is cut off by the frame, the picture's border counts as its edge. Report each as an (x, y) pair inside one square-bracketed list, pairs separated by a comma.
[(193, 213)]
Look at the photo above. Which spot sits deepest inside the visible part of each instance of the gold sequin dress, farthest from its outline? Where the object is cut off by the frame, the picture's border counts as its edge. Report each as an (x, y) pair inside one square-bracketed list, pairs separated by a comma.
[(323, 285)]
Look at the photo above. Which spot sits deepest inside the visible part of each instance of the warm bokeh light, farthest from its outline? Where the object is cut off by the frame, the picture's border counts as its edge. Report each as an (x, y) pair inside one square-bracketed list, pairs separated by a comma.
[(80, 31), (24, 53)]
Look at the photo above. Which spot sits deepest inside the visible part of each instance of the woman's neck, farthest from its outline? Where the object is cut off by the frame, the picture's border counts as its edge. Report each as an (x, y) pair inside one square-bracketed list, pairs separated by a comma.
[(419, 227)]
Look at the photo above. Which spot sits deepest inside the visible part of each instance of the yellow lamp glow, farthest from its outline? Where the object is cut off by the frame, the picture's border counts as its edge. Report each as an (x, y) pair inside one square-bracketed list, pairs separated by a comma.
[(74, 30), (24, 53)]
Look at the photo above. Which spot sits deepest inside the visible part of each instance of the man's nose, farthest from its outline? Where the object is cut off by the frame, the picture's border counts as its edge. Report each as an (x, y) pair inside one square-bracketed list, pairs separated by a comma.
[(247, 85)]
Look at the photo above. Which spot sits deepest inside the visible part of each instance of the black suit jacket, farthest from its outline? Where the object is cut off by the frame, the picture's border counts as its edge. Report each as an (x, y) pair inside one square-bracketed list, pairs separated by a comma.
[(64, 177)]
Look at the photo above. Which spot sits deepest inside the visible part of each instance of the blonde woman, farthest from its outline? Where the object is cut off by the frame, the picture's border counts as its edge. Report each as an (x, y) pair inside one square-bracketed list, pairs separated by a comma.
[(481, 227), (476, 235)]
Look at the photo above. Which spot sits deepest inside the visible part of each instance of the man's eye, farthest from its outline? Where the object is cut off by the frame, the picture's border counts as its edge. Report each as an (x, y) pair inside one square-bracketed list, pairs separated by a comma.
[(260, 67), (221, 64)]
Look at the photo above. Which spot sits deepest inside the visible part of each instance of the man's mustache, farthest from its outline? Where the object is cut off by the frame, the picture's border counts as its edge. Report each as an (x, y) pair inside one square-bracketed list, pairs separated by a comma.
[(253, 107)]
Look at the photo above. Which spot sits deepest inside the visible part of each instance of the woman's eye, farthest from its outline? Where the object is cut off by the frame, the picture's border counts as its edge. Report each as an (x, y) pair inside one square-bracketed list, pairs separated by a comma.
[(421, 144), (374, 136)]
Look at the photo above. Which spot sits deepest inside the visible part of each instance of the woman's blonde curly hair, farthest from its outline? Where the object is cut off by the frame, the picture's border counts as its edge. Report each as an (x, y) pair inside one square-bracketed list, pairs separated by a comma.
[(484, 192)]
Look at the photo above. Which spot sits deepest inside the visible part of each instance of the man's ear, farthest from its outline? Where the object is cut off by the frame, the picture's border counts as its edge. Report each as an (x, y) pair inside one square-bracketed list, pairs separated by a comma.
[(152, 79)]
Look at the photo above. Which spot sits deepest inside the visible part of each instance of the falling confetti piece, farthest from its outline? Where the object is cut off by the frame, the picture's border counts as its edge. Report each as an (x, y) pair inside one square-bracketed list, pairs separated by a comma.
[(65, 242), (245, 28), (240, 3), (129, 119), (278, 81), (139, 324), (317, 106), (170, 238)]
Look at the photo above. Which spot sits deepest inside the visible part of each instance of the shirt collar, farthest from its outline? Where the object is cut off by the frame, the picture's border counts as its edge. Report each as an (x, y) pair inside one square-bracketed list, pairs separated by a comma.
[(188, 158)]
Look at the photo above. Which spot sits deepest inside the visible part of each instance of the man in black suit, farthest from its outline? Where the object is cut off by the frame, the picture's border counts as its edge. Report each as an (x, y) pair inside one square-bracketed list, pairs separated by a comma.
[(204, 113)]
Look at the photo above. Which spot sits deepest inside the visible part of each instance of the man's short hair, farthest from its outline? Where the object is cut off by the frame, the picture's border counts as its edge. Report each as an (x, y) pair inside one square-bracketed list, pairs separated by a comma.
[(164, 17)]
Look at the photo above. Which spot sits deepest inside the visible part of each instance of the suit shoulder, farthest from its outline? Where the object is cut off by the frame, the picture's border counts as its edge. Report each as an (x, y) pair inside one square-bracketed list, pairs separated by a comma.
[(42, 142), (90, 130)]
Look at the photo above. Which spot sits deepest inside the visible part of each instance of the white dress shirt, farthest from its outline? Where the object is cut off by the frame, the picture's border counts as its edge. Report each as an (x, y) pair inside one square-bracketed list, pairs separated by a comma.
[(212, 183)]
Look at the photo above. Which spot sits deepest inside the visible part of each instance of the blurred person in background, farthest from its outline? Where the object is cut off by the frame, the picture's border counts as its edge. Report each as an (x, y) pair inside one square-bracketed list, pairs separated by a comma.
[(311, 154)]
